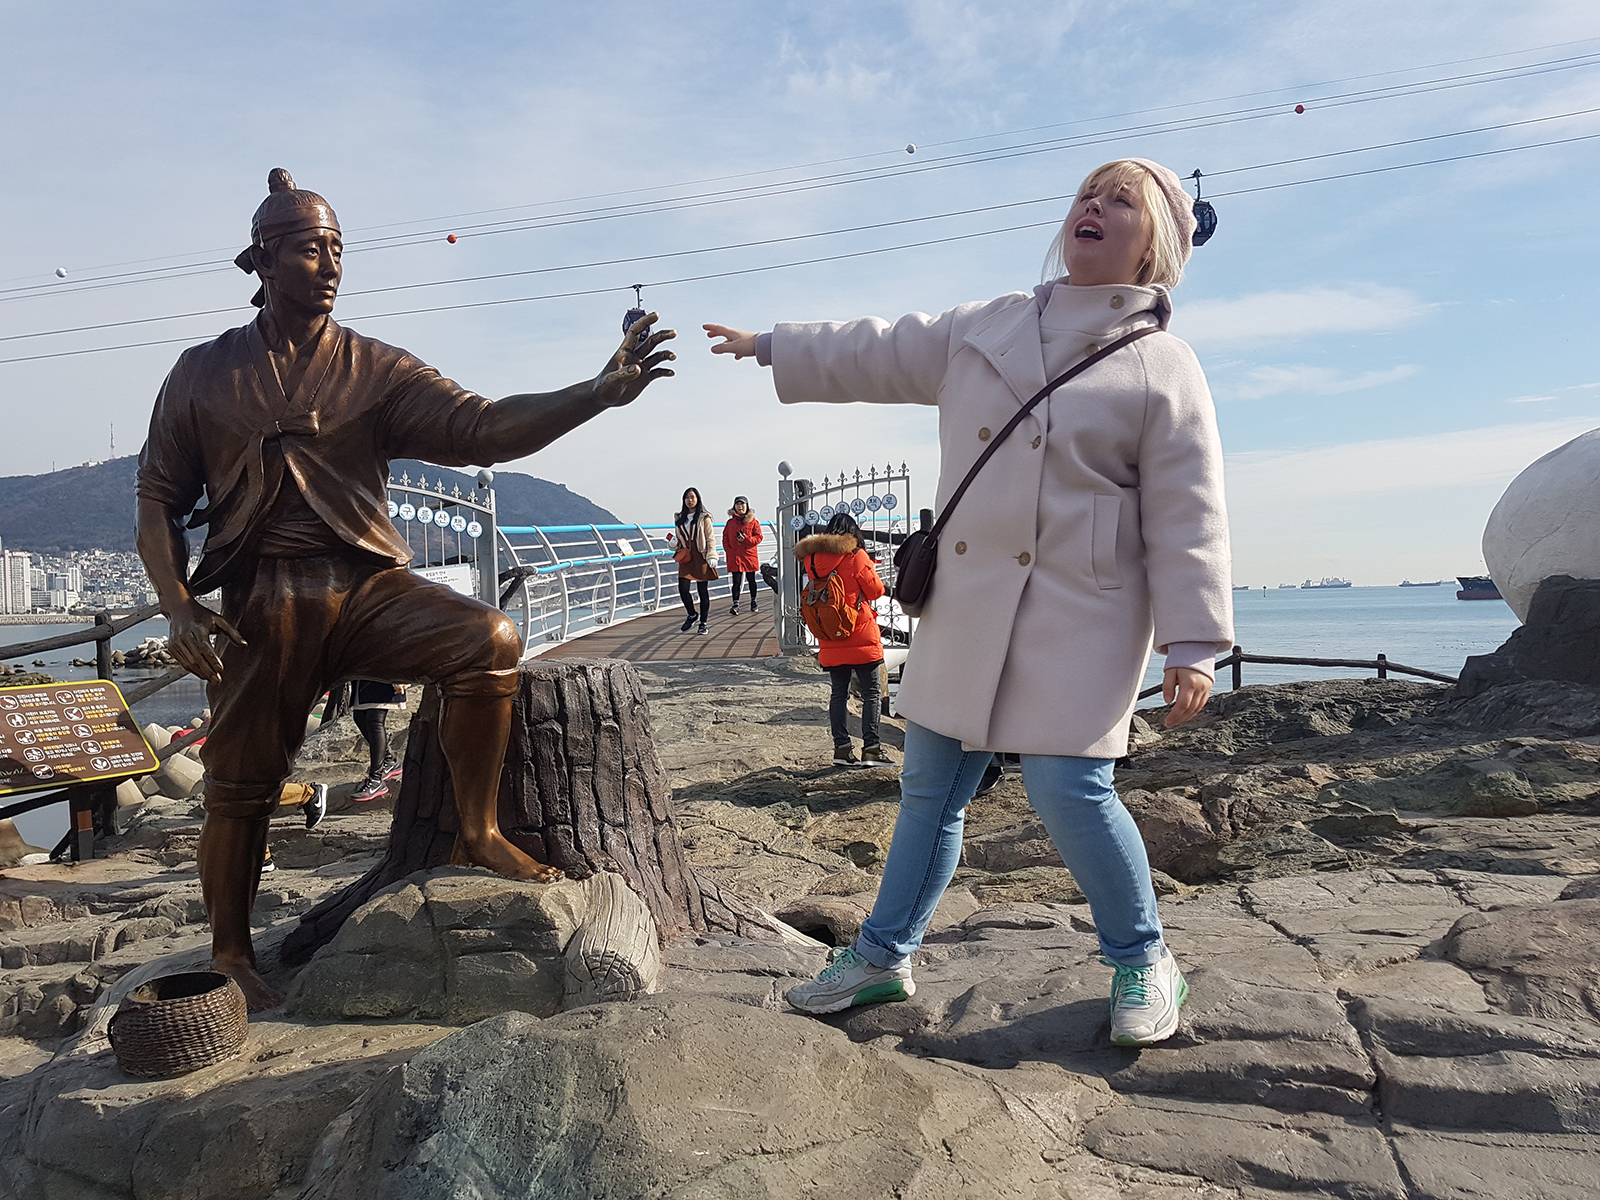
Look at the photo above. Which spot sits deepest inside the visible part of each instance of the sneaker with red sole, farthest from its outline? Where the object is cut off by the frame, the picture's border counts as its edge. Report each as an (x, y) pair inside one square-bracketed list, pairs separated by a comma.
[(370, 788)]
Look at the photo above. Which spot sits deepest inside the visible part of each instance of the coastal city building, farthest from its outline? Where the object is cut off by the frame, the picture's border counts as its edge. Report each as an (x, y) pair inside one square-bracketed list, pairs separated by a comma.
[(84, 581)]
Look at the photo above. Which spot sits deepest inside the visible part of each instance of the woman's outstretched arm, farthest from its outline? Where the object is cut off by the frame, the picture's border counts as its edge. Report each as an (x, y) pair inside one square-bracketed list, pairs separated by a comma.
[(740, 343)]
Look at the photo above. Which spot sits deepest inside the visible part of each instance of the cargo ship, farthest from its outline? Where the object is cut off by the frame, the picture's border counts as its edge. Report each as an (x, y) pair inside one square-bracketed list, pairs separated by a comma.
[(1431, 583), (1477, 587), (1325, 582)]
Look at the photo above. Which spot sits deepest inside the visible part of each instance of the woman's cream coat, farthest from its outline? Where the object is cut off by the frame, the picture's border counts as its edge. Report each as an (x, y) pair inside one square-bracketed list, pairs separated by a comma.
[(1100, 520)]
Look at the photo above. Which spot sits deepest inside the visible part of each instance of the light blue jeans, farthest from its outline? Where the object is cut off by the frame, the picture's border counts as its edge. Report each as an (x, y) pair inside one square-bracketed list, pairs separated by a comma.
[(1080, 810)]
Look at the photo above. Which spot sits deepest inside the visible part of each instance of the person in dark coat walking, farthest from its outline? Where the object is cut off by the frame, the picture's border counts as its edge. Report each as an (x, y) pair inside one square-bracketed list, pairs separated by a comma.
[(693, 528)]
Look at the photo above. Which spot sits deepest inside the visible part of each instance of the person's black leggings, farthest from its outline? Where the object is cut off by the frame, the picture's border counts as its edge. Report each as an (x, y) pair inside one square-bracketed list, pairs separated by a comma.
[(867, 677), (688, 604), (739, 577), (374, 726)]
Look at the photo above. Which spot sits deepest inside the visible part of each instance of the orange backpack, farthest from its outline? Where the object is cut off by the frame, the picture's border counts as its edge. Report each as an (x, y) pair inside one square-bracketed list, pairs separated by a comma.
[(823, 606)]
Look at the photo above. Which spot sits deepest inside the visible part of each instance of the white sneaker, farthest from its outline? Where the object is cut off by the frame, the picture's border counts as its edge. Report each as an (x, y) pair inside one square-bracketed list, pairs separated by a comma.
[(1145, 1002), (848, 980)]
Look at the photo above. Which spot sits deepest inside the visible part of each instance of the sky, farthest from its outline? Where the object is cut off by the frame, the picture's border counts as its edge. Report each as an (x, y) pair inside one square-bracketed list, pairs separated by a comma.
[(1386, 350)]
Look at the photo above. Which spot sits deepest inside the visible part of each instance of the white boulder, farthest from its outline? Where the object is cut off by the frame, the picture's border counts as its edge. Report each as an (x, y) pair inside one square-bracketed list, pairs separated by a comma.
[(1547, 523)]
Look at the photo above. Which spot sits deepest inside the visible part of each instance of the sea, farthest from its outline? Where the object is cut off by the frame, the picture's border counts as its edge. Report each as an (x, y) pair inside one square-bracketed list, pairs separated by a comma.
[(1424, 627)]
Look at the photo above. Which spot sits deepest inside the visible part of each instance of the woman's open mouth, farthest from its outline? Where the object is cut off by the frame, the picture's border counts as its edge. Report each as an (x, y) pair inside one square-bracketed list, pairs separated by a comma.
[(1089, 230)]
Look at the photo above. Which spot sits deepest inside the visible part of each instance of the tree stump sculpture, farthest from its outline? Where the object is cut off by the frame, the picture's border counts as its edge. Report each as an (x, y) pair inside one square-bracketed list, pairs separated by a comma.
[(583, 789)]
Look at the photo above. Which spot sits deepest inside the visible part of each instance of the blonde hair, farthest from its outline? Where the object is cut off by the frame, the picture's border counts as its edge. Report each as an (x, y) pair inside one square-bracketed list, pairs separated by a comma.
[(1163, 266)]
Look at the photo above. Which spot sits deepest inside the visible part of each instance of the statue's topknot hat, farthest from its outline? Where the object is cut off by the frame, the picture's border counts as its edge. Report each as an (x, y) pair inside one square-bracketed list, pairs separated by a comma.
[(287, 209)]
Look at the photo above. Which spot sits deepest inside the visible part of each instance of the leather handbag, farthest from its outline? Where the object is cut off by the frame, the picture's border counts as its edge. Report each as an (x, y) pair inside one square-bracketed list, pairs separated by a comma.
[(918, 555)]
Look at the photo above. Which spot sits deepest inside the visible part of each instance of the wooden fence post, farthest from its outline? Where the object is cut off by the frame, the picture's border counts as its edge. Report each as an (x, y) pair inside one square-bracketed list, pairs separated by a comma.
[(102, 645), (1383, 666), (1238, 668)]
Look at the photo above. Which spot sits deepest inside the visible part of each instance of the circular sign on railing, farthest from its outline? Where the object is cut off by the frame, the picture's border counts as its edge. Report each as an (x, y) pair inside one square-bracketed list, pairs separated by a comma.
[(797, 522), (407, 511), (424, 514), (474, 530), (394, 510), (858, 506), (874, 503), (826, 512), (812, 518), (889, 501), (458, 523), (441, 519)]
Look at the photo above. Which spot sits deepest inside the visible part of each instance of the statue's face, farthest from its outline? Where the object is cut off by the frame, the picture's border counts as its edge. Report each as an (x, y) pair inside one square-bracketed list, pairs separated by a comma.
[(303, 270)]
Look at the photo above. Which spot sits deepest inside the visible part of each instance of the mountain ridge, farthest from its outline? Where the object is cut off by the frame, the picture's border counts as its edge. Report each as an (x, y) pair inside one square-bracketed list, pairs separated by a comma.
[(91, 506)]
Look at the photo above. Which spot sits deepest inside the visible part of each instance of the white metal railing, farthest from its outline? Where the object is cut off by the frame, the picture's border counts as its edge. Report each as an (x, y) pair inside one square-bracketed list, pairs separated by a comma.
[(557, 581)]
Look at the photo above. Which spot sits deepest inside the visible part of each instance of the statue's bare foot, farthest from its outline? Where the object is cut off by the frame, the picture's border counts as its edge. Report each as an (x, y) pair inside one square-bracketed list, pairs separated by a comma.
[(501, 857), (257, 995)]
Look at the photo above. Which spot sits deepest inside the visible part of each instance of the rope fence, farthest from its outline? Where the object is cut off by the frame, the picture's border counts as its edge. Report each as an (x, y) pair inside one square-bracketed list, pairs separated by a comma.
[(1236, 659)]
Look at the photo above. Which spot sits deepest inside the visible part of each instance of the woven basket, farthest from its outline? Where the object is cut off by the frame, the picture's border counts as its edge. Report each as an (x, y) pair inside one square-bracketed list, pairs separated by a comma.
[(179, 1023)]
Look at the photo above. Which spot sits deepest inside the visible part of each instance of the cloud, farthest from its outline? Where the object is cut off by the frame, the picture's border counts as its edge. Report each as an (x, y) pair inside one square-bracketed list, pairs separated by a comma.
[(1311, 381), (1379, 511), (1488, 456), (1284, 316)]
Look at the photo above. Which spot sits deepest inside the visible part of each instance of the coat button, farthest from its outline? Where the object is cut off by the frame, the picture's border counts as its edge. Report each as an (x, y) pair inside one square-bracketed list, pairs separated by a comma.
[(1024, 558), (1116, 302), (1091, 348), (983, 434), (961, 547), (1036, 440)]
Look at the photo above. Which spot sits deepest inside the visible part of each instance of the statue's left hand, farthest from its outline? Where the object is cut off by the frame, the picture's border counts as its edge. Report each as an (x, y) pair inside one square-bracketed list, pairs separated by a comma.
[(635, 365)]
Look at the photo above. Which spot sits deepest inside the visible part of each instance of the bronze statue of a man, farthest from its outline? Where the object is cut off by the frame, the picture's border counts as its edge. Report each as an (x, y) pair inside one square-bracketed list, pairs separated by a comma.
[(287, 426)]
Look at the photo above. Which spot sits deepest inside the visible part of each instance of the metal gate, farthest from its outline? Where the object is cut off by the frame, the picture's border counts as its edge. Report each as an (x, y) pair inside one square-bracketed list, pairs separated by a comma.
[(452, 534), (880, 501)]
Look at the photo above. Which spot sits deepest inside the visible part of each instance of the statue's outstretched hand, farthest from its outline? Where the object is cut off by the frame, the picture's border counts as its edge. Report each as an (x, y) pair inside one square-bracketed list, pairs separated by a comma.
[(740, 343), (189, 641), (635, 365)]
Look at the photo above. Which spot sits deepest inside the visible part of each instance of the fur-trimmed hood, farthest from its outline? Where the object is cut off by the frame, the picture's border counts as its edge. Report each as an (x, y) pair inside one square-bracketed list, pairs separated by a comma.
[(825, 543)]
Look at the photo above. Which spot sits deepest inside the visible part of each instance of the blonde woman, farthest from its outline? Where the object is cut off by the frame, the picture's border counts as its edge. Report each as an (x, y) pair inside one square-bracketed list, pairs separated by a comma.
[(1098, 527)]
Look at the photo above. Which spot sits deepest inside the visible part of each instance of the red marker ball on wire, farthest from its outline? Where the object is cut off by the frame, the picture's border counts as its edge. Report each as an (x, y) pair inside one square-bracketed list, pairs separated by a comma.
[(451, 238), (1299, 108)]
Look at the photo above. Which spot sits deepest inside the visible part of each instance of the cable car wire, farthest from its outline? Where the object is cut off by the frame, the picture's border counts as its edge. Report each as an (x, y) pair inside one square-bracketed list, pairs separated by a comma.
[(964, 212), (992, 154), (823, 258)]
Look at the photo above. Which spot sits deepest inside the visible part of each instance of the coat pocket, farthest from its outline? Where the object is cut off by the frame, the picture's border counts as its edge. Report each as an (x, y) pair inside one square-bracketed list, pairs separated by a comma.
[(1107, 512)]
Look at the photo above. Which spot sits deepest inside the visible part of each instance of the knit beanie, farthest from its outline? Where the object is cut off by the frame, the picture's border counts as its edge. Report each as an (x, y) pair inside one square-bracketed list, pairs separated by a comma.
[(1178, 200)]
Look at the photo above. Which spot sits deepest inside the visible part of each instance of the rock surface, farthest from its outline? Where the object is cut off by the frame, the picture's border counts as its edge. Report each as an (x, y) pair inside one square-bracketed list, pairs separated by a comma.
[(1383, 895), (1559, 639), (460, 944)]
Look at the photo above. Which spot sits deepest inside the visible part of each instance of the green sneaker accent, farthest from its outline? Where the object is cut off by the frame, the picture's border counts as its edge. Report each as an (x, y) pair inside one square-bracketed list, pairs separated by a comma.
[(879, 993)]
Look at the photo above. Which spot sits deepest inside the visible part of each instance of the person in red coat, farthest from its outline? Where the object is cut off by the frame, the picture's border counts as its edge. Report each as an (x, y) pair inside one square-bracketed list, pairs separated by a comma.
[(740, 537), (841, 549)]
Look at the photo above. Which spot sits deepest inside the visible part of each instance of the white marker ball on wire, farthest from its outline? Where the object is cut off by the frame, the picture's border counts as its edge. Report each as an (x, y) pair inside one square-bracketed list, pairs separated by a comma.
[(911, 147), (61, 272)]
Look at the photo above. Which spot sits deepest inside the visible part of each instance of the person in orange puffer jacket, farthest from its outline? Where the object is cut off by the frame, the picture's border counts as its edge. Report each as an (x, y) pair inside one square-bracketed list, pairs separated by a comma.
[(740, 537), (841, 549)]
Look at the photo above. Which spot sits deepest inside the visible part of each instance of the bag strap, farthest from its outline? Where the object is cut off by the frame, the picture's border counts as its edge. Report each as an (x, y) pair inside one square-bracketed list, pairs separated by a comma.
[(994, 444)]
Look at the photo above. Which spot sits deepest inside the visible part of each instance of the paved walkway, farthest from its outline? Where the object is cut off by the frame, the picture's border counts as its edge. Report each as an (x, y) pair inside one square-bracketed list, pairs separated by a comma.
[(657, 638)]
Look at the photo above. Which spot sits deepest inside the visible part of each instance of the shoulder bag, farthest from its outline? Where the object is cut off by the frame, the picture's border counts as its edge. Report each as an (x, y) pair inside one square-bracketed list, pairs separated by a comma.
[(918, 555)]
